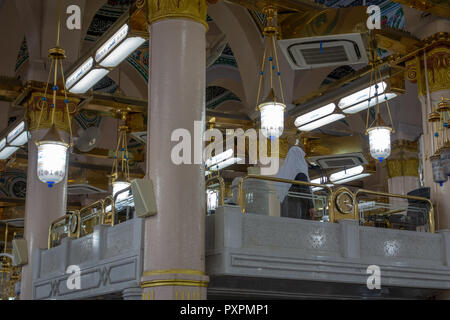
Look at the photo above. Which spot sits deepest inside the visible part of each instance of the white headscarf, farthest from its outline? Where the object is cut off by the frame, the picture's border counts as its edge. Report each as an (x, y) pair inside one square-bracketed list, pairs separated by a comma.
[(294, 164)]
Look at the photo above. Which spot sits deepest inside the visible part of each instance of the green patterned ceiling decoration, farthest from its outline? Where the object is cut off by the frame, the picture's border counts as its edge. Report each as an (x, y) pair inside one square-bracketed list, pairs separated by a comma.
[(23, 55), (105, 18), (216, 95), (226, 58)]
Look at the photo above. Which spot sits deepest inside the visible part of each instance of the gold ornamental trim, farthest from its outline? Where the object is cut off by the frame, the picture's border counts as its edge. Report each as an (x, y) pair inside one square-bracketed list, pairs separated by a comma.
[(438, 71), (173, 9), (174, 282), (403, 168), (35, 106), (174, 271)]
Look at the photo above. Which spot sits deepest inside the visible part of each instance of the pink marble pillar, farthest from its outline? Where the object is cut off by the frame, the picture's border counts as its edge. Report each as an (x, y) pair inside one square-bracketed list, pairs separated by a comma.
[(43, 205), (175, 237)]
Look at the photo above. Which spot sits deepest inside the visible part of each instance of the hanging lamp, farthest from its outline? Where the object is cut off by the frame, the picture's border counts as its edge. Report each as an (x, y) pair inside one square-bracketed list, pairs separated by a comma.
[(378, 131), (52, 149), (120, 170), (444, 110), (438, 119), (272, 108)]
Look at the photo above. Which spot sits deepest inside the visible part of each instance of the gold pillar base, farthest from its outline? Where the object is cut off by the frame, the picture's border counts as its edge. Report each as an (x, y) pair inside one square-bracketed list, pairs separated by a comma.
[(177, 284)]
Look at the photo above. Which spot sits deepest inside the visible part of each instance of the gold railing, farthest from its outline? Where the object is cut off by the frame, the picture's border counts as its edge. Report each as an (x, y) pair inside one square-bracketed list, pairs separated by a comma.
[(390, 195), (221, 181), (241, 194), (90, 216), (338, 195), (78, 223), (109, 216), (9, 275), (71, 221)]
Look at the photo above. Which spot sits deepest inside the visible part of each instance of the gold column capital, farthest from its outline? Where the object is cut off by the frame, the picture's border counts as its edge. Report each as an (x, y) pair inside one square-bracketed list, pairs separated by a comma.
[(403, 167), (438, 62), (169, 9)]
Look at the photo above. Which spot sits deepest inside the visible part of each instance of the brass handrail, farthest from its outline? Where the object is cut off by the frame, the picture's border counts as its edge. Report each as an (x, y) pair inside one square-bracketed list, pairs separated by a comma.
[(384, 194), (113, 210), (241, 193), (98, 215), (221, 188), (55, 222)]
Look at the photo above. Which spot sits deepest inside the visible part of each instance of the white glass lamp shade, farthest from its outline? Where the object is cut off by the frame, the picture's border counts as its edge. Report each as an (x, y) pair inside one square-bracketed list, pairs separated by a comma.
[(439, 174), (119, 186), (445, 159), (51, 162), (380, 142), (272, 119)]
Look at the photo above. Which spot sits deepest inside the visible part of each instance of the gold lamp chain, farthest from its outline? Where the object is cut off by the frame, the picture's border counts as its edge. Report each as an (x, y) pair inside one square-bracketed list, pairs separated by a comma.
[(42, 102), (261, 76), (66, 102), (278, 70)]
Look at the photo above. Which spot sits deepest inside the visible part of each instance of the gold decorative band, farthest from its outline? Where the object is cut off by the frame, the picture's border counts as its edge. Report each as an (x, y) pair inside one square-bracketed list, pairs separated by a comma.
[(174, 282), (174, 271), (167, 9)]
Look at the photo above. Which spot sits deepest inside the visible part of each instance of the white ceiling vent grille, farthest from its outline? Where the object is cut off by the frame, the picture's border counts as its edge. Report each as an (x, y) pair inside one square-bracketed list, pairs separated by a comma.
[(316, 52), (339, 161)]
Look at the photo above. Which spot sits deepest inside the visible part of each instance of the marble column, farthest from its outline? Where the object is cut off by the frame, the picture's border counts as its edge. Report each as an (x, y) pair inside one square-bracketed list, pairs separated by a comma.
[(43, 205), (403, 167), (174, 254), (439, 86)]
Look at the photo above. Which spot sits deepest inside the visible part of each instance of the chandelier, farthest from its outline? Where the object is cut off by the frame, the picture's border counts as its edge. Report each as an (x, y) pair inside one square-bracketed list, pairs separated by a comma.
[(378, 131), (52, 149), (272, 108), (121, 171)]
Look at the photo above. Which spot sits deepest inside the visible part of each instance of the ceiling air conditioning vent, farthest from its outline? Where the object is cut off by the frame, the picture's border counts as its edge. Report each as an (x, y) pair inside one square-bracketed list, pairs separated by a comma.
[(316, 52), (76, 189), (339, 161)]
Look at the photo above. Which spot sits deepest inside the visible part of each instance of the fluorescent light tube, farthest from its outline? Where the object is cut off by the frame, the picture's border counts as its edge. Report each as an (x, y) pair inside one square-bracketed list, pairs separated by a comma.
[(315, 114), (361, 95), (219, 158), (373, 101), (122, 52), (89, 80), (346, 173), (20, 140), (321, 122), (16, 131), (7, 152), (357, 177), (2, 143), (225, 164), (80, 72), (111, 43)]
